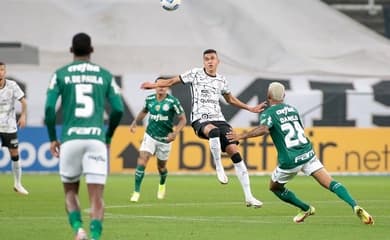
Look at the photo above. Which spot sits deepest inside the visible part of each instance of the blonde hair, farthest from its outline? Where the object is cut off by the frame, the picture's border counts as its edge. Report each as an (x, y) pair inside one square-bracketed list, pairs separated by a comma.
[(276, 91)]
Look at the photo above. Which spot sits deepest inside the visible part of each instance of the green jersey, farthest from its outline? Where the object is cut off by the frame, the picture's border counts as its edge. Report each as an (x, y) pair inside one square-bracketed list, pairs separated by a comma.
[(287, 133), (83, 87), (161, 115)]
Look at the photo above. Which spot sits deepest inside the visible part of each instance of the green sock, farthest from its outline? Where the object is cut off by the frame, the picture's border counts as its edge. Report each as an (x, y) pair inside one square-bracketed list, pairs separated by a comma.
[(289, 197), (342, 193), (139, 176), (96, 227), (163, 177), (75, 220)]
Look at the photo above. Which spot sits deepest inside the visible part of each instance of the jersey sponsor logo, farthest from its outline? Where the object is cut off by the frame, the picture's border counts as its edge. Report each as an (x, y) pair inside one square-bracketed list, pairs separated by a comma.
[(209, 101), (83, 68), (159, 117), (205, 116), (285, 110), (157, 107), (305, 156), (84, 131)]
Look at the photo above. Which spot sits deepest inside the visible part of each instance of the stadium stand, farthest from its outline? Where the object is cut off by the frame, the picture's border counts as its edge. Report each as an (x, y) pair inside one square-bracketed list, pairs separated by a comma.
[(370, 13), (19, 53)]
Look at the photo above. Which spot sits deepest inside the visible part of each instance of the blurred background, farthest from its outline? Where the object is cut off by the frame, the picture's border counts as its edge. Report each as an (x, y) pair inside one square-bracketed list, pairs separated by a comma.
[(333, 57)]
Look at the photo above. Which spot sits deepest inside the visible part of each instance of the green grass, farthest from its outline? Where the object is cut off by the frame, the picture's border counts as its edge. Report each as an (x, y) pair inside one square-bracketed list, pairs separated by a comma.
[(196, 207)]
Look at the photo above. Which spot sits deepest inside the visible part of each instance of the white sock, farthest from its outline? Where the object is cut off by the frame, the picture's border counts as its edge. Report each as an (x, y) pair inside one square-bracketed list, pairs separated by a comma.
[(243, 177), (17, 172), (215, 147)]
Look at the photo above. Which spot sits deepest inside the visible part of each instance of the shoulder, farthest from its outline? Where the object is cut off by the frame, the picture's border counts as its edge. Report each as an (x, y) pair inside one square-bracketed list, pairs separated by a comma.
[(195, 70), (172, 99), (221, 77), (101, 70), (151, 97), (11, 84)]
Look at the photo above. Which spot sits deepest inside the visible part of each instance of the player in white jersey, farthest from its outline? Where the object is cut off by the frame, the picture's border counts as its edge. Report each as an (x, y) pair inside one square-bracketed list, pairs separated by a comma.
[(207, 119), (9, 93)]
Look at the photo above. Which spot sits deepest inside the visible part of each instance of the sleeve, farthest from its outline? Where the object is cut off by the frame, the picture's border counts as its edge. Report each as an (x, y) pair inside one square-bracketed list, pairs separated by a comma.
[(18, 93), (189, 76), (266, 119), (117, 109), (52, 95), (225, 88), (177, 107), (145, 108)]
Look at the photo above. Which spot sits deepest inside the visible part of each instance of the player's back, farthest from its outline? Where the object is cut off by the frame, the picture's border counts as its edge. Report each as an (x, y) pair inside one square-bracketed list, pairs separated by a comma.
[(288, 135), (83, 87)]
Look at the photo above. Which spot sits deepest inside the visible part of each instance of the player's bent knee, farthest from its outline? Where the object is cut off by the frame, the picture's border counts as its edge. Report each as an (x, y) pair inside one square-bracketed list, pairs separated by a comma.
[(214, 133)]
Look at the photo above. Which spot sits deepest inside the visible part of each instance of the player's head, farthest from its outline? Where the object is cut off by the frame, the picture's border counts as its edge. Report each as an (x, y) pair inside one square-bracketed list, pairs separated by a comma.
[(81, 45), (276, 92), (162, 90), (2, 71), (210, 61)]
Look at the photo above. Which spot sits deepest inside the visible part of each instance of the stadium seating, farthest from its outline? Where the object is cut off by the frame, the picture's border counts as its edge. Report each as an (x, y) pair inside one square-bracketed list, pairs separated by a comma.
[(371, 16)]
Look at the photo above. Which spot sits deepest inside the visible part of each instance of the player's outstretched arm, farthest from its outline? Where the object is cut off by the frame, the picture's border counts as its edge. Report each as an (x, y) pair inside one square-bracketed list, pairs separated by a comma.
[(236, 102), (161, 83), (255, 132)]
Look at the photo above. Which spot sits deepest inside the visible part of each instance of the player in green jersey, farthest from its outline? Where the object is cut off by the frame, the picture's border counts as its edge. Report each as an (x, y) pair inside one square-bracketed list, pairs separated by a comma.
[(83, 87), (162, 108), (295, 154)]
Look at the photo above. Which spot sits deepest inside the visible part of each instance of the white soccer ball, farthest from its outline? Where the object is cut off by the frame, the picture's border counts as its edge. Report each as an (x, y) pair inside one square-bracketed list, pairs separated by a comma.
[(170, 5)]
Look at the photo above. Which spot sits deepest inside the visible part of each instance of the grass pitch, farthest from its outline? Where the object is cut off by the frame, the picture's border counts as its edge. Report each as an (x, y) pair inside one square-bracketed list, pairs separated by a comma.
[(197, 207)]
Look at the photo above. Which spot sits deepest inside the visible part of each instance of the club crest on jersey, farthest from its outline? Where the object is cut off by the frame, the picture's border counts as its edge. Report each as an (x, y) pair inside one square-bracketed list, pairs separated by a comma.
[(165, 107)]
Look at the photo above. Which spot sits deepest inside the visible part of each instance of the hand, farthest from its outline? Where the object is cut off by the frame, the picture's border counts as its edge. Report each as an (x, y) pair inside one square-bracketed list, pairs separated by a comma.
[(232, 136), (258, 108), (55, 148), (171, 137), (148, 85), (22, 121), (133, 128)]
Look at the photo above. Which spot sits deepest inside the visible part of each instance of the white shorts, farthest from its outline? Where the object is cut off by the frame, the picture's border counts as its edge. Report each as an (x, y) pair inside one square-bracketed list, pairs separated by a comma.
[(154, 147), (284, 175), (83, 156)]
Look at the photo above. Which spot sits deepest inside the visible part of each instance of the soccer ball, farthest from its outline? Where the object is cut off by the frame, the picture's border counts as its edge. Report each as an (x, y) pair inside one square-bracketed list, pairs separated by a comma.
[(170, 5)]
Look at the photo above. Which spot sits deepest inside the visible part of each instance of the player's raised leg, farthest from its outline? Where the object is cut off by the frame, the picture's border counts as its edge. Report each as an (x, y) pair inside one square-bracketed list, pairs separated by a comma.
[(215, 148)]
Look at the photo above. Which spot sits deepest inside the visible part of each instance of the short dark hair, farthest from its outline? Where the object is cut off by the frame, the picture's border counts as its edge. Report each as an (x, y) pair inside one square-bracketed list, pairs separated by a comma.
[(81, 44), (210, 50), (2, 64)]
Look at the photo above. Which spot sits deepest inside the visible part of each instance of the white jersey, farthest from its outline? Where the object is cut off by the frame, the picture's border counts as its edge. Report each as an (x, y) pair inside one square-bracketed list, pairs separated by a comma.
[(8, 95), (206, 91)]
